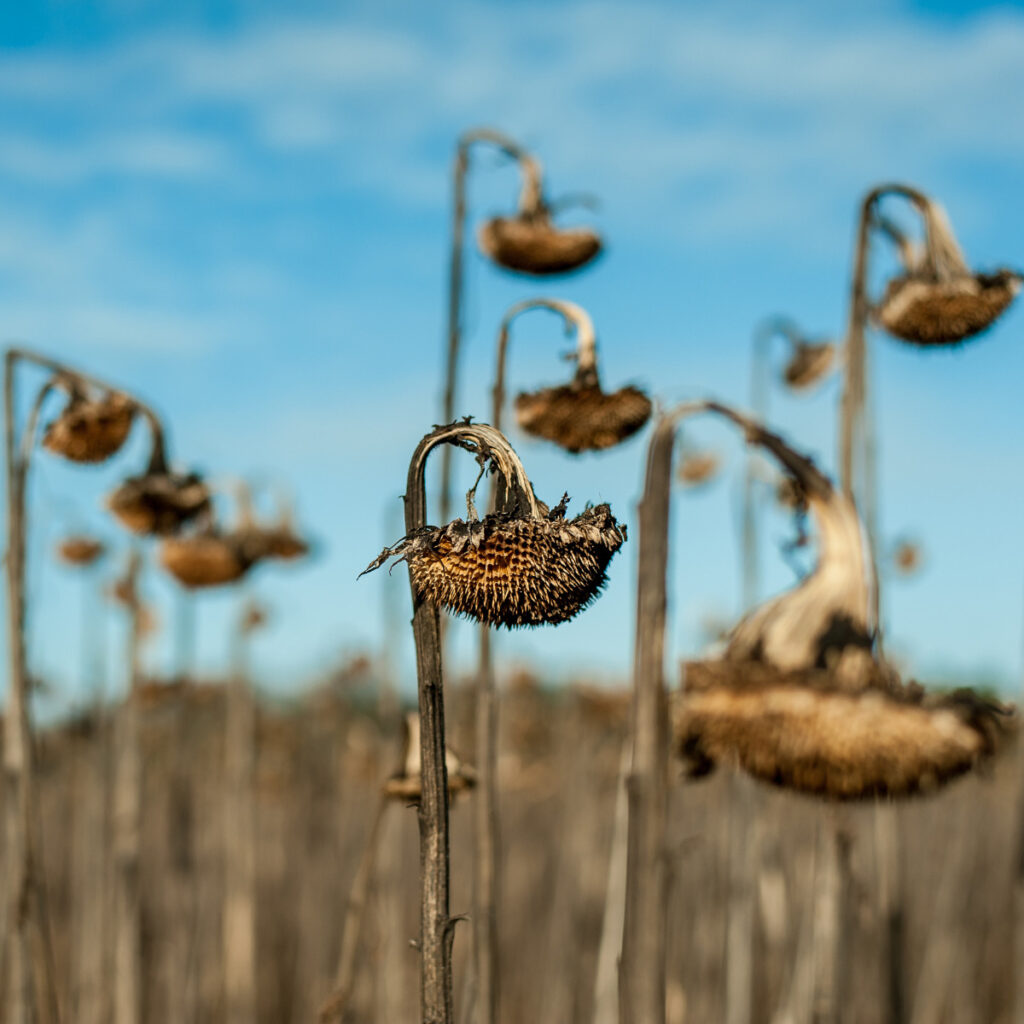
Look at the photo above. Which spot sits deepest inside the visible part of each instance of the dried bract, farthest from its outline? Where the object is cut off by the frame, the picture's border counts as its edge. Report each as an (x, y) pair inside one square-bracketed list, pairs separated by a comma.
[(90, 430), (510, 570), (583, 418), (79, 550), (159, 503), (797, 730), (206, 559), (532, 244)]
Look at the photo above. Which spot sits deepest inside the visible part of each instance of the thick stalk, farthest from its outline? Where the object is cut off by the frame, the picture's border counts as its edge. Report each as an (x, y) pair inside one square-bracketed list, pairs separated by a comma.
[(642, 967), (436, 927), (739, 950), (127, 980), (239, 927)]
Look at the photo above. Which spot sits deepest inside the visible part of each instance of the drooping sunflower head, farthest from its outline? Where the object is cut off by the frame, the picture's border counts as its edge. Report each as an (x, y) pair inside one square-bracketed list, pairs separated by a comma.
[(90, 429)]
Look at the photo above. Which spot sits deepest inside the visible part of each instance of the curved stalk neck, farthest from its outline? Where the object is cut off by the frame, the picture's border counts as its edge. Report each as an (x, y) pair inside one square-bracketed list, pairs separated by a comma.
[(531, 198), (488, 445), (70, 379), (576, 318)]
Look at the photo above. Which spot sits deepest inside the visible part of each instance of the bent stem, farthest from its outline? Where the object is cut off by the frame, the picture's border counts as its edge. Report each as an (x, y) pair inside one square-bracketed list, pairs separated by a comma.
[(436, 926), (531, 199), (23, 885)]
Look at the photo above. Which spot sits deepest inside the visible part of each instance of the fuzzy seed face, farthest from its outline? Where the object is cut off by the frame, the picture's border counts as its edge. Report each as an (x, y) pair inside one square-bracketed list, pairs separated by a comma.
[(90, 431), (796, 731), (202, 561), (536, 247), (945, 313), (583, 419), (512, 572)]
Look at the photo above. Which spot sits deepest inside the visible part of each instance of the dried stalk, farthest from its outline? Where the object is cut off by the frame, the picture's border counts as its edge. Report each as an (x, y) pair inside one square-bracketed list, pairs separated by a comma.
[(743, 857), (606, 1006), (22, 885), (642, 967), (333, 1010), (455, 276), (126, 983), (240, 834), (436, 926)]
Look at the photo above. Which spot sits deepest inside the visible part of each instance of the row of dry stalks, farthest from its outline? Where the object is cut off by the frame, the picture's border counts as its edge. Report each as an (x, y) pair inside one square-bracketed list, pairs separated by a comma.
[(317, 775)]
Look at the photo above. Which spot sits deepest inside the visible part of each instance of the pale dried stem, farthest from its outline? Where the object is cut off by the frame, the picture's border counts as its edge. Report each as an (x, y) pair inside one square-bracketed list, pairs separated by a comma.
[(531, 173)]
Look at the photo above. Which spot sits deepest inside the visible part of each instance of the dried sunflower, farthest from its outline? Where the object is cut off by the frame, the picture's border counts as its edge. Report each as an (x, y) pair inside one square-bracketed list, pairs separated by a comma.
[(577, 416), (938, 300), (90, 429), (530, 242), (159, 502), (80, 550), (523, 565), (808, 364), (406, 784), (207, 558), (798, 730)]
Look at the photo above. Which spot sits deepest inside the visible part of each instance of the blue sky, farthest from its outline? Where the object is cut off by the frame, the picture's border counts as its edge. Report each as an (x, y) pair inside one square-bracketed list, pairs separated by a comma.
[(241, 210)]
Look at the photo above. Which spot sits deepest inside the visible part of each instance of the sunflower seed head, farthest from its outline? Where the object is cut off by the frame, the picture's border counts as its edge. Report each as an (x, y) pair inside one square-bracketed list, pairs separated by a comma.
[(510, 570), (534, 245), (809, 363), (929, 312), (583, 418), (90, 430), (800, 731), (80, 550), (159, 503), (207, 559)]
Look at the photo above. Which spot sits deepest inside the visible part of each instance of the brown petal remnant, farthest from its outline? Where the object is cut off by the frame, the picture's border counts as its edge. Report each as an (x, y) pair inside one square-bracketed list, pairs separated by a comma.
[(159, 502), (405, 785), (208, 558), (523, 565), (577, 416), (696, 468), (90, 429), (809, 363), (798, 730), (530, 242), (79, 549), (938, 300)]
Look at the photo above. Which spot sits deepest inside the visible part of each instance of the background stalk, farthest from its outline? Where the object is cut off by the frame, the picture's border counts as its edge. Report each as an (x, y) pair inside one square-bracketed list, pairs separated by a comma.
[(126, 983), (642, 967)]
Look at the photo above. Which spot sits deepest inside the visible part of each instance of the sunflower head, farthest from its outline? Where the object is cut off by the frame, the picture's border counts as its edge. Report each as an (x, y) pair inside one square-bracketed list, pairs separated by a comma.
[(159, 502), (90, 429), (937, 299), (80, 550), (521, 565), (206, 558)]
